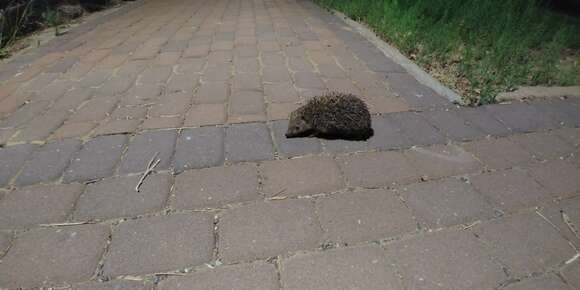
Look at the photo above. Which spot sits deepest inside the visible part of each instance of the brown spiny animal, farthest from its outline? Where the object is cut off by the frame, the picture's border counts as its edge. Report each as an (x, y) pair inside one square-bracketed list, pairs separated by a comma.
[(331, 116)]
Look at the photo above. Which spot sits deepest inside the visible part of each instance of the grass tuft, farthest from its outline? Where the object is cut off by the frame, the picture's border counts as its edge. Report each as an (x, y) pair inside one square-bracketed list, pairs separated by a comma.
[(478, 47)]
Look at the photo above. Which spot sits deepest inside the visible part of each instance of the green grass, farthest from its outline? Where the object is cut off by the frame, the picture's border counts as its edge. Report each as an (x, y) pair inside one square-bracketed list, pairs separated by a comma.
[(478, 47)]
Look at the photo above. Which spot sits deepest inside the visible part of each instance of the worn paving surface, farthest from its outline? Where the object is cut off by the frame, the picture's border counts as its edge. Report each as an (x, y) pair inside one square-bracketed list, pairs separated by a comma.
[(440, 198)]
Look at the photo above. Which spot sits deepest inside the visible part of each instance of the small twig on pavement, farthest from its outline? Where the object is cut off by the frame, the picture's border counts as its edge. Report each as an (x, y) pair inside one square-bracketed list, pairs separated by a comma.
[(65, 224), (150, 167), (570, 224)]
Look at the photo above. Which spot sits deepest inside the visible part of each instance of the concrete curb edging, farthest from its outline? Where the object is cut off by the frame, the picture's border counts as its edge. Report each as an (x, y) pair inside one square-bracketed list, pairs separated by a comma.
[(393, 53)]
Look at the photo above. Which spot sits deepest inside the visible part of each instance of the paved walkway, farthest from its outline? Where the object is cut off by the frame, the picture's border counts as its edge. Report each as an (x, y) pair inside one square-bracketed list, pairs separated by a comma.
[(441, 197)]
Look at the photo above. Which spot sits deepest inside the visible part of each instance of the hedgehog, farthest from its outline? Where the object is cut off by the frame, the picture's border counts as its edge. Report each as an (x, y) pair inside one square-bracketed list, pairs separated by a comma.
[(331, 116)]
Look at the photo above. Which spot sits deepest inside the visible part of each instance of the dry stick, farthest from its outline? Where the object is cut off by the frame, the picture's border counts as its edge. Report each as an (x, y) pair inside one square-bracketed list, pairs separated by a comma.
[(152, 164), (570, 224)]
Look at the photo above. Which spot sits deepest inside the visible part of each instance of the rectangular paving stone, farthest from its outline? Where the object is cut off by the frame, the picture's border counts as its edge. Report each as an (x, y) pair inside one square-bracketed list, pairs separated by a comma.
[(376, 169), (342, 146), (293, 177), (53, 256), (452, 125), (364, 216), (41, 127), (212, 92), (560, 177), (116, 197), (12, 159), (95, 109), (387, 134), (416, 94), (442, 160), (281, 92), (24, 114), (290, 147), (445, 260), (199, 148), (248, 142), (446, 202), (525, 243), (97, 159), (155, 75), (266, 229), (72, 99), (255, 276), (365, 267), (570, 135), (160, 244), (548, 281), (498, 153), (565, 112), (216, 186), (205, 114), (144, 146), (184, 83), (510, 189), (416, 129), (521, 117), (49, 162), (246, 103), (543, 145), (165, 122), (72, 130), (35, 205)]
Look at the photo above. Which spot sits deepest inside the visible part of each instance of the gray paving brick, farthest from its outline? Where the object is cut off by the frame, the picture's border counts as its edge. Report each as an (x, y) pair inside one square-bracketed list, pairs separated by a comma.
[(24, 114), (115, 284), (248, 142), (35, 205), (543, 145), (12, 159), (387, 134), (521, 117), (160, 244), (266, 229), (293, 176), (416, 94), (446, 202), (199, 148), (254, 276), (525, 243), (376, 169), (294, 146), (442, 160), (342, 146), (445, 260), (48, 162), (348, 268), (570, 135), (144, 146), (116, 197), (452, 125), (416, 129), (53, 256), (554, 209), (561, 178), (510, 189), (72, 99), (364, 216), (97, 159), (541, 283), (563, 111), (498, 153), (41, 127), (217, 186), (482, 119)]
